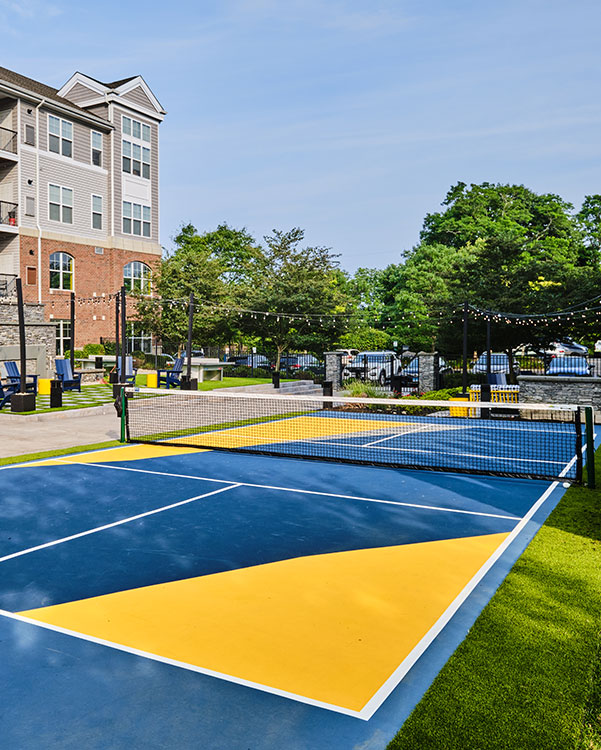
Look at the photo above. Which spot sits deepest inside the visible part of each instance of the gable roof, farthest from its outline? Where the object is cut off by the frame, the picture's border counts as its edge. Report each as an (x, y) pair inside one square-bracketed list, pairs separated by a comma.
[(44, 91)]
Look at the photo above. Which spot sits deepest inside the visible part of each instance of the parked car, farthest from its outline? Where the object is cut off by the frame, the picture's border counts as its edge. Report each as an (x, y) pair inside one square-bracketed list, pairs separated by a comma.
[(377, 366), (295, 362), (569, 366), (412, 369), (499, 363), (250, 360), (566, 347), (347, 355)]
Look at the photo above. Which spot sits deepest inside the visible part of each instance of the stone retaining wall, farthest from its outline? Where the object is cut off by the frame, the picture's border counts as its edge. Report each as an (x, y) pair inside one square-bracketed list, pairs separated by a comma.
[(560, 390)]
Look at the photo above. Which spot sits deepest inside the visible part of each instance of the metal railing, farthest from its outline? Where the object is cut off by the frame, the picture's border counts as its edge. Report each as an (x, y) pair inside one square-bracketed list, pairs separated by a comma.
[(8, 286), (8, 140), (8, 213)]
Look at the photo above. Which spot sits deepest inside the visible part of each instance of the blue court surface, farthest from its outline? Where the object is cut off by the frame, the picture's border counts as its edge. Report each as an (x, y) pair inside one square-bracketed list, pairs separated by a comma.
[(165, 597)]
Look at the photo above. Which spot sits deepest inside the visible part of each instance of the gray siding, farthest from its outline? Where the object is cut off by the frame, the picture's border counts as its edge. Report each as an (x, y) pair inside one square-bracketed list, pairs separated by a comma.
[(9, 254), (80, 93), (100, 110), (9, 187), (137, 96)]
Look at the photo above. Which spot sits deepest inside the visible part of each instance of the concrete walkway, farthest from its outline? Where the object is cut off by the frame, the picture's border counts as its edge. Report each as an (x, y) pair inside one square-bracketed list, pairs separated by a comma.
[(64, 429)]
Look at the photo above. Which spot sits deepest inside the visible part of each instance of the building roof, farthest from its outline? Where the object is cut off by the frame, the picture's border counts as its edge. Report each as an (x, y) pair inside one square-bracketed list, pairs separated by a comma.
[(37, 88)]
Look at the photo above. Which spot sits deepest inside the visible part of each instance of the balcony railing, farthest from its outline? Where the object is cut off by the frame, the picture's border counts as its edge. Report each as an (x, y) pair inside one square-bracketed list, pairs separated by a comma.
[(8, 140), (8, 284), (8, 213)]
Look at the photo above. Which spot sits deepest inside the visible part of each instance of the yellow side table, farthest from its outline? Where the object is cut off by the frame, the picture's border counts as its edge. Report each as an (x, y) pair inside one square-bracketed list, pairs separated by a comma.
[(44, 386), (151, 380), (456, 411)]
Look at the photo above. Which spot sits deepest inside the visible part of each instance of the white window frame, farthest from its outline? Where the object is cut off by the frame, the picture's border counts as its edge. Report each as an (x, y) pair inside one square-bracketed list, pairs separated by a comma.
[(61, 205), (61, 325), (144, 211), (92, 149), (135, 334), (62, 273), (61, 137), (134, 141), (97, 213), (144, 280)]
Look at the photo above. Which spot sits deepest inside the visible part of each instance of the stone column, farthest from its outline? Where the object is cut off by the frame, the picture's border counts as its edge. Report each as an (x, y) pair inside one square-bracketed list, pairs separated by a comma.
[(428, 371), (334, 368)]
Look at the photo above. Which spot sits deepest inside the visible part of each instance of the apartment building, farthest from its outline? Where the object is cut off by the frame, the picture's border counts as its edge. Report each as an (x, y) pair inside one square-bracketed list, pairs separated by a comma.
[(79, 196)]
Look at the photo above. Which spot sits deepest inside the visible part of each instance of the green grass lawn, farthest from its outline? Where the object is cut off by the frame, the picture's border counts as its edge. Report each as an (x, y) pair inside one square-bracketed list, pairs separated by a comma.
[(528, 675)]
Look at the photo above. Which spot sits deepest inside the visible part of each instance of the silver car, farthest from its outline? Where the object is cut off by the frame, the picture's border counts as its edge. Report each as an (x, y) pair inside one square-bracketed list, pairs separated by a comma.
[(376, 366)]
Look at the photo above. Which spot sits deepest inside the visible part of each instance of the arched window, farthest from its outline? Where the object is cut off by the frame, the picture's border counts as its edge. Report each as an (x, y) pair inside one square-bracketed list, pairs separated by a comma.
[(136, 277), (61, 271)]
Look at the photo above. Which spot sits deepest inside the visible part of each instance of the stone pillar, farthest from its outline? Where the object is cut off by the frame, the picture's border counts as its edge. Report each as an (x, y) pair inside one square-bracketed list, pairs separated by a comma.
[(428, 371), (334, 368)]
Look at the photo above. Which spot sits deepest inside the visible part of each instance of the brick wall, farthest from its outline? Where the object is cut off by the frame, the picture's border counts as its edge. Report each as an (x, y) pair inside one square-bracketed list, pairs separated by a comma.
[(94, 276)]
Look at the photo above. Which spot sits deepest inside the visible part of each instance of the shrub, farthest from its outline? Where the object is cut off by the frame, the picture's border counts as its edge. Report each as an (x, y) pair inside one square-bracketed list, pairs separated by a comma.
[(247, 372), (77, 354), (91, 350), (362, 389), (443, 395)]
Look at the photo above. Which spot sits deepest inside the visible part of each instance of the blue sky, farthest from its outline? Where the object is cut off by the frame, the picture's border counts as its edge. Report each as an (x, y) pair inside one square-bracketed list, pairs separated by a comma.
[(348, 118)]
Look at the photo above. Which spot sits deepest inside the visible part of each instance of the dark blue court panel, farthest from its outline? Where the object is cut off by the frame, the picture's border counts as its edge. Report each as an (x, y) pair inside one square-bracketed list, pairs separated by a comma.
[(239, 528), (41, 504), (475, 493)]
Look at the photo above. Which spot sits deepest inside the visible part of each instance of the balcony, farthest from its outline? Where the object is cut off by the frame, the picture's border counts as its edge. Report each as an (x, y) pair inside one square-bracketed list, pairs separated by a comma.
[(8, 285), (8, 217), (8, 145)]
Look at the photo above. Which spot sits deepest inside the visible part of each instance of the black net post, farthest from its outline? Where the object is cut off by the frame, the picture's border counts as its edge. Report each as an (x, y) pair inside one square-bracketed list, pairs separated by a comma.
[(578, 422), (485, 396), (189, 342), (464, 374), (22, 344), (590, 447)]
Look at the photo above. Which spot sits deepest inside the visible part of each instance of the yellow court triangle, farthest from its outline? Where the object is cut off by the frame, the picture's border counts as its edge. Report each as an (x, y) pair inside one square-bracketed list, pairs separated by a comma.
[(331, 628)]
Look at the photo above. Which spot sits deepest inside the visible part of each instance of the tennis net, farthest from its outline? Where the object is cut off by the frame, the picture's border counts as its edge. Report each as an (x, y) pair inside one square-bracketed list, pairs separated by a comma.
[(543, 441)]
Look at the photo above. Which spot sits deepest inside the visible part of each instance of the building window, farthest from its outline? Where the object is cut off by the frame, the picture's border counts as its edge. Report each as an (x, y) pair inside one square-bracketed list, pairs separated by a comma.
[(136, 219), (60, 204), (60, 136), (136, 156), (137, 339), (96, 148), (63, 337), (29, 205), (61, 271), (30, 135), (136, 277), (96, 212)]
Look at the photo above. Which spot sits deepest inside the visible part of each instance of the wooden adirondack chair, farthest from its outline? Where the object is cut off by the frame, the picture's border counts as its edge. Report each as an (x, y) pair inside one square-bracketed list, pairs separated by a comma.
[(172, 376), (14, 377), (64, 373)]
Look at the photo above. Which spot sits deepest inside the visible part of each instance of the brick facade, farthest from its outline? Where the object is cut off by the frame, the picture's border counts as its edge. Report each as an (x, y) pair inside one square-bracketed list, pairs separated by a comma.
[(95, 275)]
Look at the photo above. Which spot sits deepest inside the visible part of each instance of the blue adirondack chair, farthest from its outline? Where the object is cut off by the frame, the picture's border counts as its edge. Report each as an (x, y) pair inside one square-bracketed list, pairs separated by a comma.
[(14, 377), (69, 380), (130, 371), (172, 376), (6, 392)]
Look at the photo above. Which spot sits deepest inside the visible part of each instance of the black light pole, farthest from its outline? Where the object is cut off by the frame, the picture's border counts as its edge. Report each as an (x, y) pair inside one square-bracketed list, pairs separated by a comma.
[(22, 345), (464, 376), (123, 369), (22, 401), (189, 344), (72, 352), (488, 355)]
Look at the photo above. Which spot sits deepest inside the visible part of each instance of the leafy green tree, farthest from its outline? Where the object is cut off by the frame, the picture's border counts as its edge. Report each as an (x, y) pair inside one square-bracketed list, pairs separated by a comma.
[(216, 267), (365, 339), (302, 291)]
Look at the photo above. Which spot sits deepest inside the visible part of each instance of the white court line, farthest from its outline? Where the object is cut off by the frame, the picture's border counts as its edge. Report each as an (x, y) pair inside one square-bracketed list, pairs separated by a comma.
[(115, 523), (384, 691), (184, 665), (297, 490), (429, 452), (423, 428)]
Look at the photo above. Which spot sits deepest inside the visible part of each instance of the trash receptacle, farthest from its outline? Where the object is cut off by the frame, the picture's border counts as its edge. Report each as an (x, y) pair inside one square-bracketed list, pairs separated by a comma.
[(56, 394)]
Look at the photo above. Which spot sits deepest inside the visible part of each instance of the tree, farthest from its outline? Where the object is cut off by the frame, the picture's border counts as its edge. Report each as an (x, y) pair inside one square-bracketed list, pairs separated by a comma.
[(215, 266), (502, 248), (302, 293)]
